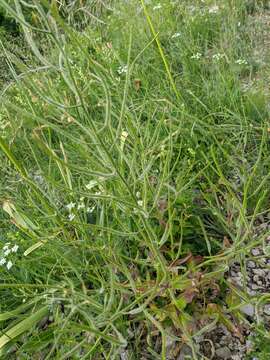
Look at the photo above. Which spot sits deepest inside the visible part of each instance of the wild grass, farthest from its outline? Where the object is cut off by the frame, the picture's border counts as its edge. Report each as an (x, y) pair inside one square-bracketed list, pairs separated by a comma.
[(134, 169)]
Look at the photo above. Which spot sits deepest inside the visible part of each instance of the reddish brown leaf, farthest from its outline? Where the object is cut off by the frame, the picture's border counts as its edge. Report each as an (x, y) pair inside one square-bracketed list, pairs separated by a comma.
[(190, 294), (182, 261), (198, 259), (162, 205), (226, 242), (137, 84)]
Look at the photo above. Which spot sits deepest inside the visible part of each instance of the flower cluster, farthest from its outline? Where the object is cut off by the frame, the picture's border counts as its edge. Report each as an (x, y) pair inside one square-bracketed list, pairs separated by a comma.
[(157, 7), (176, 35), (122, 69), (218, 56), (196, 56), (241, 62), (6, 255), (213, 9), (73, 207)]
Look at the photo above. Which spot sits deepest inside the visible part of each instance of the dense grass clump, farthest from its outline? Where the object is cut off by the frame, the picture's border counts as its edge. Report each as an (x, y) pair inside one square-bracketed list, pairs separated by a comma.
[(134, 171)]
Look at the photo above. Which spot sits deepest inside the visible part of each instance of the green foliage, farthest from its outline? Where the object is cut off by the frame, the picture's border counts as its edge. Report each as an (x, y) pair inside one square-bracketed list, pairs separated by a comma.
[(130, 154)]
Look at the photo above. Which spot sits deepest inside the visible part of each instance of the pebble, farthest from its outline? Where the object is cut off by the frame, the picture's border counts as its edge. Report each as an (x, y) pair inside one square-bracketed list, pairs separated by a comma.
[(248, 309), (259, 272), (224, 353), (236, 357), (266, 309), (251, 292), (257, 279), (251, 264), (255, 252), (185, 352), (255, 287)]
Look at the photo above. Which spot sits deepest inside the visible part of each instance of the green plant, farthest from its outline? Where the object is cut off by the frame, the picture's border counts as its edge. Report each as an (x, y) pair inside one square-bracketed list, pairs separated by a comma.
[(134, 168)]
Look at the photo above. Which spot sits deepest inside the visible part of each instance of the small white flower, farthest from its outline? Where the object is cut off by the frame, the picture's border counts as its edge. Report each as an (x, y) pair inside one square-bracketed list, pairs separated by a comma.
[(123, 138), (7, 252), (213, 9), (196, 56), (71, 217), (15, 248), (122, 69), (241, 62), (70, 206), (89, 210), (218, 56), (124, 135), (140, 203), (9, 265), (157, 7), (176, 35), (138, 194), (91, 184), (3, 261), (81, 198), (6, 246), (81, 206)]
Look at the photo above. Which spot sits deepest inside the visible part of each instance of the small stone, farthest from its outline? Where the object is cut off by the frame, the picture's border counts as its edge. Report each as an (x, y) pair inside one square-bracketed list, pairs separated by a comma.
[(238, 281), (224, 353), (251, 264), (185, 353), (236, 357), (259, 272), (234, 274), (255, 252), (251, 292), (257, 279), (249, 346), (247, 309), (255, 287), (266, 309)]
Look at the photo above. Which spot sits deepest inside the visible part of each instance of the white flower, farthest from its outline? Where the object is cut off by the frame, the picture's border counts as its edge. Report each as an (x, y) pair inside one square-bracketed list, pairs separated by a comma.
[(6, 246), (71, 217), (7, 252), (213, 9), (81, 198), (241, 62), (81, 206), (15, 248), (91, 184), (176, 35), (196, 56), (140, 203), (138, 194), (124, 135), (70, 206), (89, 210), (9, 265), (157, 7), (3, 261), (122, 69), (218, 56)]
